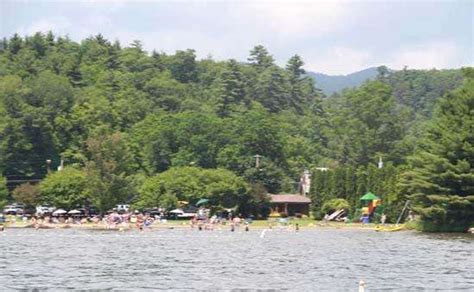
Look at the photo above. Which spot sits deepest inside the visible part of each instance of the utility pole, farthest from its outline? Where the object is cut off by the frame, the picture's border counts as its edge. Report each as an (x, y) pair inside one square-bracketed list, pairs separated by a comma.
[(61, 166), (48, 165), (257, 160)]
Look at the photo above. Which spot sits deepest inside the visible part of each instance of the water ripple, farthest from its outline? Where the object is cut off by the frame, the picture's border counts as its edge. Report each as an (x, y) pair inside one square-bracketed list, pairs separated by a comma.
[(184, 260)]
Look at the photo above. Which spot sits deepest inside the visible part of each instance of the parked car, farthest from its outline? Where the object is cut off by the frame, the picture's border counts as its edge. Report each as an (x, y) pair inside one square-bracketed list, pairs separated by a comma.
[(14, 209), (44, 209), (91, 211), (123, 208)]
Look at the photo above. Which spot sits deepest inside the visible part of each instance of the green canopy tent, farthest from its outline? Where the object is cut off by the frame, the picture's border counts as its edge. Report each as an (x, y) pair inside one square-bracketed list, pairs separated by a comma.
[(369, 197)]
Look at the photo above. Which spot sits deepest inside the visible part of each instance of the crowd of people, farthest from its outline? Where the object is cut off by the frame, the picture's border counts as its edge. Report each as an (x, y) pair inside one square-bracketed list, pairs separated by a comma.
[(129, 220), (210, 223), (121, 220)]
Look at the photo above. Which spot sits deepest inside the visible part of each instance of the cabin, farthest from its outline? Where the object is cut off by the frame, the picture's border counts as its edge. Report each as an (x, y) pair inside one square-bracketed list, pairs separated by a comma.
[(289, 204)]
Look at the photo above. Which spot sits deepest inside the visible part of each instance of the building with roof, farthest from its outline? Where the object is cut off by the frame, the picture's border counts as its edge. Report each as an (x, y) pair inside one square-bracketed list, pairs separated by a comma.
[(289, 204)]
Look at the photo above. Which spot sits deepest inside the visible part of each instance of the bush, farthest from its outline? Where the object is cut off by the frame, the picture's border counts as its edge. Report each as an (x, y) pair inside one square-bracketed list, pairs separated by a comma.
[(27, 194), (334, 205), (64, 189)]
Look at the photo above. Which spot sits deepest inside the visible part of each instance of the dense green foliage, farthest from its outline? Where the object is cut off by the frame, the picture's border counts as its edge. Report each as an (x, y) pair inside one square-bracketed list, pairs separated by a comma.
[(334, 205), (3, 192), (441, 179), (222, 187), (28, 194), (418, 90), (127, 120), (350, 184), (65, 189)]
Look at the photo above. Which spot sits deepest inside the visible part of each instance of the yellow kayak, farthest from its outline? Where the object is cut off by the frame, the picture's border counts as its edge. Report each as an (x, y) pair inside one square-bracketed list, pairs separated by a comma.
[(388, 229)]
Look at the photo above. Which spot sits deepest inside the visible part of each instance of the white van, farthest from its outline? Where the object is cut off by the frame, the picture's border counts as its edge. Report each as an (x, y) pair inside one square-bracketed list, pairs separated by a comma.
[(123, 208), (44, 209)]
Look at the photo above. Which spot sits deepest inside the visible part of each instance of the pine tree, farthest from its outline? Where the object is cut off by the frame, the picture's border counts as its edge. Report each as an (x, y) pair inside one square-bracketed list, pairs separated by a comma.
[(295, 70), (15, 44), (260, 58), (231, 88), (441, 180), (272, 89)]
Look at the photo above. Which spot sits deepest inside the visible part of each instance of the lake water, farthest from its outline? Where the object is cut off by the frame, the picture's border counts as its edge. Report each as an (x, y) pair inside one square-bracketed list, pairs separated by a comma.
[(184, 259)]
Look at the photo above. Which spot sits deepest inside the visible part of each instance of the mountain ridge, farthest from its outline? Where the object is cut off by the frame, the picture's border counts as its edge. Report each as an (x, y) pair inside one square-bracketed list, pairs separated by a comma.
[(330, 84)]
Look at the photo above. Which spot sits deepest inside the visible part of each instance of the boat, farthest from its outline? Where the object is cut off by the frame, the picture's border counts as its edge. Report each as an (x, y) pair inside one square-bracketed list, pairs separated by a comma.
[(380, 228)]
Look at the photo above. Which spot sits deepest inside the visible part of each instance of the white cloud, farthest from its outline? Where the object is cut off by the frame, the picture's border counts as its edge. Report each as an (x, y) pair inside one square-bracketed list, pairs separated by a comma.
[(330, 36), (315, 18), (338, 60), (58, 25), (428, 55)]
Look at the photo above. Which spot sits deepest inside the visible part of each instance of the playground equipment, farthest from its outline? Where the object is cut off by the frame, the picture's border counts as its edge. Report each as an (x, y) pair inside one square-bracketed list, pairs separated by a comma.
[(372, 203), (335, 215)]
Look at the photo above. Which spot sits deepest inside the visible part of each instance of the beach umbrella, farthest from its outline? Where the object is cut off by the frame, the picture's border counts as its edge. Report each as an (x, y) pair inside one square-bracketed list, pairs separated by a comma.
[(369, 197), (202, 202), (74, 212), (59, 212), (176, 211)]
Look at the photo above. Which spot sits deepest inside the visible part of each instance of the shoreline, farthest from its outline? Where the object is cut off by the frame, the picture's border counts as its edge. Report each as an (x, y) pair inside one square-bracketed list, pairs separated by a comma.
[(176, 225)]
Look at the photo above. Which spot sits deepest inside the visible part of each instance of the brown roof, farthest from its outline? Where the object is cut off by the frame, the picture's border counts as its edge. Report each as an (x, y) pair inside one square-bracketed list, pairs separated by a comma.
[(289, 198)]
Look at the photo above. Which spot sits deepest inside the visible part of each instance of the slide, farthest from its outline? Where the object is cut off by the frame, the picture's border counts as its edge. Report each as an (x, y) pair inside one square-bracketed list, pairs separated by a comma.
[(335, 214)]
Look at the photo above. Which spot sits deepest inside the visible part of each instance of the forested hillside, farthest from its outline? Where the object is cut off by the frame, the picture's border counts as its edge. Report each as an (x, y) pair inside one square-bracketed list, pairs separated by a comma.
[(330, 84), (128, 122)]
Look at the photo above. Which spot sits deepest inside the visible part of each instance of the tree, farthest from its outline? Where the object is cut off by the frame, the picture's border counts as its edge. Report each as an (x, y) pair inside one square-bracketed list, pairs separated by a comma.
[(15, 44), (319, 191), (272, 89), (221, 187), (65, 189), (256, 202), (165, 92), (441, 180), (260, 59), (3, 192), (269, 175), (231, 90), (179, 140), (183, 66), (107, 171), (254, 132), (365, 122), (27, 194), (294, 67)]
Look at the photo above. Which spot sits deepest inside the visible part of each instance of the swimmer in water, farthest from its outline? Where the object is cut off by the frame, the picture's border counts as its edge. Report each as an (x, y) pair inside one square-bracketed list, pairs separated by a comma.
[(297, 227)]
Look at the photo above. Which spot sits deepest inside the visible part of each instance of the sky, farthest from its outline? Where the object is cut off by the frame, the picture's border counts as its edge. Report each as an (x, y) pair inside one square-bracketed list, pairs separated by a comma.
[(333, 37)]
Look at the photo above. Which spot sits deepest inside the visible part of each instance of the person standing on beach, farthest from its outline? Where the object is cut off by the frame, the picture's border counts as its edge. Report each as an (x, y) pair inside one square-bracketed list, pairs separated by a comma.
[(326, 219), (140, 221)]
